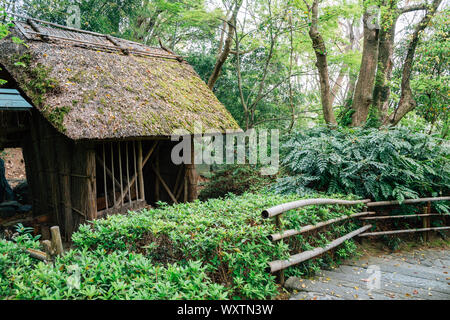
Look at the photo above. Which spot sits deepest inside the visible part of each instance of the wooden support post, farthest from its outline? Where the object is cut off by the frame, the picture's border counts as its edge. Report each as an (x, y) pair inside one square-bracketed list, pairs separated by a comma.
[(185, 186), (128, 173), (135, 170), (64, 180), (48, 249), (121, 176), (104, 177), (113, 178), (140, 171), (157, 195), (56, 240), (191, 176), (280, 274), (91, 185), (426, 221)]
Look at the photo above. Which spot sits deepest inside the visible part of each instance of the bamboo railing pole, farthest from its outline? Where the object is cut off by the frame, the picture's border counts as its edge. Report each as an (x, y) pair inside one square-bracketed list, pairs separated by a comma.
[(293, 232), (271, 212), (303, 256), (401, 216), (407, 201), (380, 233)]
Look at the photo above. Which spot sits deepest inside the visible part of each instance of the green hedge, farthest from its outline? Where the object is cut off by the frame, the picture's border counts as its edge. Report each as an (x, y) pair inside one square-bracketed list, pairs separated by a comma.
[(150, 254)]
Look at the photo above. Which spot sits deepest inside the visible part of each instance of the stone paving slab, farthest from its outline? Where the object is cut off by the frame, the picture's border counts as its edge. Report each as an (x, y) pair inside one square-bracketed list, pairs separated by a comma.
[(423, 274)]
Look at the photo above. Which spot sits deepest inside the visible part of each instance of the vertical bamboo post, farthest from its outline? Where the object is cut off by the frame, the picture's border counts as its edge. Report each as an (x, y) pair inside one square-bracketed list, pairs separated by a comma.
[(56, 240), (279, 274), (140, 171), (191, 175), (121, 176), (426, 221), (64, 171), (91, 183), (185, 186), (104, 177), (135, 171), (157, 195), (128, 174), (113, 178)]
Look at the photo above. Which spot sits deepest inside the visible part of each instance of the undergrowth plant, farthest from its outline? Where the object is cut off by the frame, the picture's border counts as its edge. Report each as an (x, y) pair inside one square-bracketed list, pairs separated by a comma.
[(236, 179), (216, 249), (381, 164)]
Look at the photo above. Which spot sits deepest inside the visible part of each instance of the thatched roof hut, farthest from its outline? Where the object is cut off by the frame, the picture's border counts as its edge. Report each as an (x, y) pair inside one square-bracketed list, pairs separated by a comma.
[(96, 141)]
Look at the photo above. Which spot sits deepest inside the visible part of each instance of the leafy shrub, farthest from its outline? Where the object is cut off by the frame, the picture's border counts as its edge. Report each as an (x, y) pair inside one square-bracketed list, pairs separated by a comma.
[(235, 179), (202, 250), (228, 236), (371, 163), (117, 275)]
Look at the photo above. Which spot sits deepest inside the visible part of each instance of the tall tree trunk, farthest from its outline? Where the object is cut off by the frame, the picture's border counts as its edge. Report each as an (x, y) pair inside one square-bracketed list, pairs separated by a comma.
[(322, 65), (382, 89), (407, 102), (338, 83), (352, 77), (364, 87), (226, 46)]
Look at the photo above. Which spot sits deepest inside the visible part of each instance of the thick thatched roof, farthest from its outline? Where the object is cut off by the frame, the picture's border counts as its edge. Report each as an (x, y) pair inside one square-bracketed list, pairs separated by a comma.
[(92, 86)]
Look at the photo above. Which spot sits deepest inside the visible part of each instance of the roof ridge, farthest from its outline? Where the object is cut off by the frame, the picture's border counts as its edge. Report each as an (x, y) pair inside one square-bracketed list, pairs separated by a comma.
[(110, 38)]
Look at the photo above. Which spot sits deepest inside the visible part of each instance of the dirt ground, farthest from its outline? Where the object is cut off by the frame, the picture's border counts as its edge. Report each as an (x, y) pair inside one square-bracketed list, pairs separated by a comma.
[(14, 165)]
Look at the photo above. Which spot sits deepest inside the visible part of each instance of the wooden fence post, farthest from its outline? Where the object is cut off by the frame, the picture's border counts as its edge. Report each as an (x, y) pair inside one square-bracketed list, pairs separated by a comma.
[(280, 274), (56, 240)]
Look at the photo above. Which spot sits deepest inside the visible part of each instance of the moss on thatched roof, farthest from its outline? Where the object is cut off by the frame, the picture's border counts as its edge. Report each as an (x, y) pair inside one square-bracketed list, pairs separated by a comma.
[(90, 92)]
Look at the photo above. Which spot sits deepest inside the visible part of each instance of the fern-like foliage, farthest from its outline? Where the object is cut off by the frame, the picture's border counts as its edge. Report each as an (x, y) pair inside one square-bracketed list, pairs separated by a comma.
[(371, 163)]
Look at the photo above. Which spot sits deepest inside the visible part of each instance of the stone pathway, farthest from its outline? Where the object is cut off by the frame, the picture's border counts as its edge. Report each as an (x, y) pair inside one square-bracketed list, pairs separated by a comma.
[(422, 274)]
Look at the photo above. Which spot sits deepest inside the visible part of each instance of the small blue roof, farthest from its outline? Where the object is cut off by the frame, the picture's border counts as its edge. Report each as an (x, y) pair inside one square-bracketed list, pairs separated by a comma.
[(10, 99)]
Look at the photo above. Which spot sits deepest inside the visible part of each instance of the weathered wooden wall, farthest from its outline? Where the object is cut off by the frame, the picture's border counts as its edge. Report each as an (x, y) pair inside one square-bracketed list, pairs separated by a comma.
[(60, 174)]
